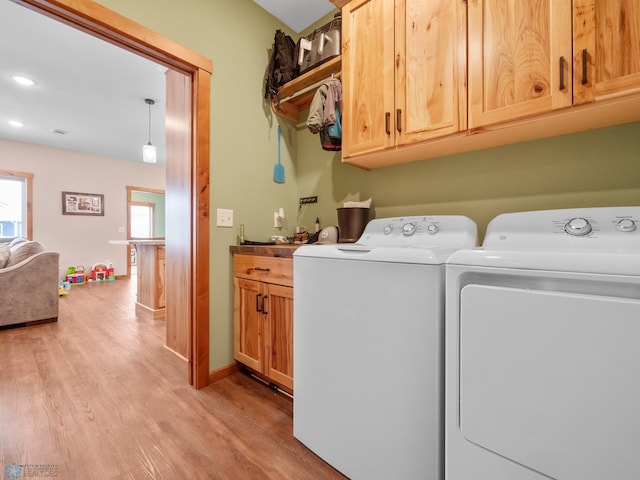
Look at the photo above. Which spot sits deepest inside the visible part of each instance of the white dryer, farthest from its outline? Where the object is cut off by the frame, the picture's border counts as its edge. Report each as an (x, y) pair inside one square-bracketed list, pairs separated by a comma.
[(368, 347), (543, 348)]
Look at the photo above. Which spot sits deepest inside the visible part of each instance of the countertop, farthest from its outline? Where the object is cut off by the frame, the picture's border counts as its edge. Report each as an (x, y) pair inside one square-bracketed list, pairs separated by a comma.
[(154, 241), (284, 250)]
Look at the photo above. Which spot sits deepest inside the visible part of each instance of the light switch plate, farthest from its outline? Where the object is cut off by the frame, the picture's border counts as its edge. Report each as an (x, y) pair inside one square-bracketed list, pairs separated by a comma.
[(224, 217)]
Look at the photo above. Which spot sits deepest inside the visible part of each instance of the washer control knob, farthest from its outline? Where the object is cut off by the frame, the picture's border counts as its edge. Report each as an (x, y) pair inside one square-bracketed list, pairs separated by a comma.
[(387, 229), (578, 227), (626, 225), (408, 229), (433, 228)]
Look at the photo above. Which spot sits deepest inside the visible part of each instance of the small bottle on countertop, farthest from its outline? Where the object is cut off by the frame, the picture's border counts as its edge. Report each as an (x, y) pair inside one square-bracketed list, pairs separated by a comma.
[(317, 224), (242, 234)]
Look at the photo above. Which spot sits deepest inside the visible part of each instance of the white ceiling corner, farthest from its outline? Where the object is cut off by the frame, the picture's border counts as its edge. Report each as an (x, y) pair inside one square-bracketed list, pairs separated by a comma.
[(297, 14)]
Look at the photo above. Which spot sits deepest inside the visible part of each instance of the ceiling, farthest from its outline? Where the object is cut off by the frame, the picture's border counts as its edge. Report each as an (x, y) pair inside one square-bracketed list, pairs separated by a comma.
[(297, 14), (86, 87), (89, 89)]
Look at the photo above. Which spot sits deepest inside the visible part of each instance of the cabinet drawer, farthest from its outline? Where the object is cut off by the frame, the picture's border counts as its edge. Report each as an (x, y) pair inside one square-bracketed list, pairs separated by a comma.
[(265, 269)]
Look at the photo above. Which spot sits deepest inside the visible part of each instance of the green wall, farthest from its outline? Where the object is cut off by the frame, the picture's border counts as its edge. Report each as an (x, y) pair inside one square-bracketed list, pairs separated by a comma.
[(593, 168), (237, 35)]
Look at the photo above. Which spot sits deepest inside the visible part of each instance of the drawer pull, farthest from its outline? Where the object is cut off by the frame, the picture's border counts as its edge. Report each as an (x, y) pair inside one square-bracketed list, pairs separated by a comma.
[(264, 308), (260, 269), (561, 86), (258, 308), (387, 121), (584, 66), (398, 120)]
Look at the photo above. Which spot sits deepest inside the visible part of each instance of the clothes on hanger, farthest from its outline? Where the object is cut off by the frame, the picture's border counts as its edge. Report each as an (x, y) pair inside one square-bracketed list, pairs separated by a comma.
[(325, 114)]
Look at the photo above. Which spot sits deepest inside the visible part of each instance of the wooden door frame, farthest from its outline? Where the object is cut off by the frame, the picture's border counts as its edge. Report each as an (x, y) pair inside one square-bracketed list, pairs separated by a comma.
[(108, 25)]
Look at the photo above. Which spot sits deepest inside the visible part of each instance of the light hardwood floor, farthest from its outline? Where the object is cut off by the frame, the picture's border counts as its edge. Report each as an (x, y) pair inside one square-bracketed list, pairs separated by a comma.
[(99, 397)]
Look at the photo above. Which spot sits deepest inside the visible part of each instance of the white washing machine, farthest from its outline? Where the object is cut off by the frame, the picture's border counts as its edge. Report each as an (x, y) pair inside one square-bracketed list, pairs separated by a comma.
[(543, 348), (368, 347)]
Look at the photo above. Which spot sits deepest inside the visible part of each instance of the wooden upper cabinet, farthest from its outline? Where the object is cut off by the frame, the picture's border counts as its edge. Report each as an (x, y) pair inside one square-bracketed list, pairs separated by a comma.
[(520, 57), (430, 69), (367, 79), (528, 58), (607, 36), (403, 72), (424, 79)]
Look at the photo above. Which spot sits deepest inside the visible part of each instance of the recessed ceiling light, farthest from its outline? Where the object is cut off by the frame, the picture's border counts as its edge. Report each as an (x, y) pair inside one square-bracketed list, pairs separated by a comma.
[(22, 80), (16, 123)]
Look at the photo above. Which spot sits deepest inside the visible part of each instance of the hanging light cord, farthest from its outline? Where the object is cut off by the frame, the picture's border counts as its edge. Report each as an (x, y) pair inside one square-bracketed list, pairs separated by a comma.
[(149, 102)]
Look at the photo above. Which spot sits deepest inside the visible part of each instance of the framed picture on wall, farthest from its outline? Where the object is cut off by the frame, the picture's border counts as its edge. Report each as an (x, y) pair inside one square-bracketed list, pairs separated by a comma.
[(75, 203)]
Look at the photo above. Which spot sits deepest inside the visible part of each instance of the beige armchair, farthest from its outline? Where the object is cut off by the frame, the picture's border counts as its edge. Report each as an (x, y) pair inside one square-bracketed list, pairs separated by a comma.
[(29, 276)]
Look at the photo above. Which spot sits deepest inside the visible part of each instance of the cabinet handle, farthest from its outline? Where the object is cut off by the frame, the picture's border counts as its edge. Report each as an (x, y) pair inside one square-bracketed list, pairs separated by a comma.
[(398, 118), (260, 269), (387, 118), (584, 66), (561, 86), (258, 309), (264, 308)]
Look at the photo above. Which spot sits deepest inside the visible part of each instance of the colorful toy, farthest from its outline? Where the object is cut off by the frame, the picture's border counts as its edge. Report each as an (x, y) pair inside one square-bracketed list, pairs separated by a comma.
[(99, 272), (63, 288), (102, 272), (111, 275), (75, 275)]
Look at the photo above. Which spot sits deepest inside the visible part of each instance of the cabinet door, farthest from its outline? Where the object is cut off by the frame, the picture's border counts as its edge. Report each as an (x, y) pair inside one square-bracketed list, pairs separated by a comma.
[(430, 69), (248, 321), (279, 353), (607, 37), (367, 83), (160, 286), (519, 58)]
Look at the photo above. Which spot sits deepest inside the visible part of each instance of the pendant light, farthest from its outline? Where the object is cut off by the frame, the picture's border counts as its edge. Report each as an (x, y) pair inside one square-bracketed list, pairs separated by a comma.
[(148, 150)]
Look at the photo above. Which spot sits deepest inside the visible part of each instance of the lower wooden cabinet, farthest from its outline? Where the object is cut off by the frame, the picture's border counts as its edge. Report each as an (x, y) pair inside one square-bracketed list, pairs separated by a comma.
[(263, 317), (151, 259)]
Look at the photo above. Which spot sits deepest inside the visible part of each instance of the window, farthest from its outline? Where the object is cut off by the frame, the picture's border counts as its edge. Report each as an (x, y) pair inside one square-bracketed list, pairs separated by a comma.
[(141, 220), (16, 200)]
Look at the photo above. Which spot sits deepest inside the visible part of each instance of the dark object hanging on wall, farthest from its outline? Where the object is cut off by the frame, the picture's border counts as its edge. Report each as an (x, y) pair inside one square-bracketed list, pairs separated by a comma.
[(283, 66)]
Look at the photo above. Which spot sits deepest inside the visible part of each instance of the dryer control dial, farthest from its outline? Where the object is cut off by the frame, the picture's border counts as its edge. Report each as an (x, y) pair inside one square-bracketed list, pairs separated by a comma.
[(626, 225), (578, 227), (408, 229), (387, 230)]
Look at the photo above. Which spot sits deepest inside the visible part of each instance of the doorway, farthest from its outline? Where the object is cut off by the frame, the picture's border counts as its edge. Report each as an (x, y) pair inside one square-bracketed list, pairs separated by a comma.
[(120, 31)]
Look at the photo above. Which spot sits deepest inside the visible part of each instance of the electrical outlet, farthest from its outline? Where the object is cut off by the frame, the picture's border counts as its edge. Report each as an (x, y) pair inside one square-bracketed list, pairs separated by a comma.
[(306, 200), (224, 218)]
